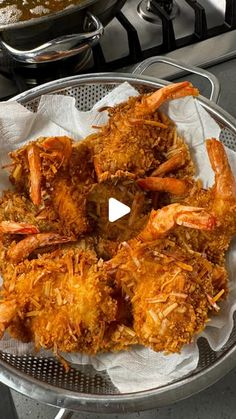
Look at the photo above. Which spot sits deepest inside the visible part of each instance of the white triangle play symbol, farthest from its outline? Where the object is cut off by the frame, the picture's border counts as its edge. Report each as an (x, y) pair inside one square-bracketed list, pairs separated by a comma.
[(116, 210)]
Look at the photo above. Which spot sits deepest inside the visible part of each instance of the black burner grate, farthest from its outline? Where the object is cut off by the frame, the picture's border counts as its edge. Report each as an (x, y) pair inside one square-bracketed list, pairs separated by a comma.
[(26, 76), (169, 40)]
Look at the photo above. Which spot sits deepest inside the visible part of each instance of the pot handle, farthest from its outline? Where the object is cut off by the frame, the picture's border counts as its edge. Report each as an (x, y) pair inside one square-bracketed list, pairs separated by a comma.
[(215, 85), (61, 47)]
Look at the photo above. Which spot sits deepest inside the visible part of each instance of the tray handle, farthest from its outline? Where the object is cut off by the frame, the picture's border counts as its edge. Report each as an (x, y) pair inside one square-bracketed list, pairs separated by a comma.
[(61, 47), (215, 85), (64, 414)]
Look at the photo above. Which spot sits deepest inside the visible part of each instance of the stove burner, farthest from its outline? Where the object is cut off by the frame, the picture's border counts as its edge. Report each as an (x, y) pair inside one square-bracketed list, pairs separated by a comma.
[(16, 78), (167, 5), (147, 13)]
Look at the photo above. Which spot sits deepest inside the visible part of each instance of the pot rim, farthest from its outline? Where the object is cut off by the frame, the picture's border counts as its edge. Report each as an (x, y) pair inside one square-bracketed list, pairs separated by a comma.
[(44, 19)]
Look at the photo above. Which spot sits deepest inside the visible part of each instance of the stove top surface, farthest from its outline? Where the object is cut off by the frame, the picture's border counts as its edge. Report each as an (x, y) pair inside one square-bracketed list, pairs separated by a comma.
[(191, 36), (150, 34)]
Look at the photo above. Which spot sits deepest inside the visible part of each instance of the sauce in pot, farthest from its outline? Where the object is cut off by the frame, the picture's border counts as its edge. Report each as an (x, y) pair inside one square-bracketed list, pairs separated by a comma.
[(12, 11)]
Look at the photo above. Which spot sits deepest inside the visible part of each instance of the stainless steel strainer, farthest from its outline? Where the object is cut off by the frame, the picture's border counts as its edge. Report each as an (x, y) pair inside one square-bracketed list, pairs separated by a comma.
[(83, 388)]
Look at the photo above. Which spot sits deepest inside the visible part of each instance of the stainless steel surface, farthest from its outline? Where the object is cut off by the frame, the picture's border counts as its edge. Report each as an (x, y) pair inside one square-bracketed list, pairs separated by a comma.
[(7, 87), (83, 389), (64, 414), (7, 407), (32, 35), (203, 54), (216, 402), (151, 34), (215, 86), (58, 48)]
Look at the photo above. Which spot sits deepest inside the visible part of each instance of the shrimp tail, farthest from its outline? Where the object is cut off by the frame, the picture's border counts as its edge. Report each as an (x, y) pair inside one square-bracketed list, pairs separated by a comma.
[(34, 161), (25, 247), (173, 163), (11, 227), (161, 184), (152, 102), (225, 184), (162, 221)]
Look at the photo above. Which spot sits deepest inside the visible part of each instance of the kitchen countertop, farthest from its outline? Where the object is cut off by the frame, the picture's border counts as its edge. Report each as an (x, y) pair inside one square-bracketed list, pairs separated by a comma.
[(218, 401)]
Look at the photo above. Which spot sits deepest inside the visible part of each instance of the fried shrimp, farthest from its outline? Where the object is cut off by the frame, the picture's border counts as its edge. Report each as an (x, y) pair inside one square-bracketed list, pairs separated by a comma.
[(171, 291), (59, 172), (138, 137), (170, 288), (17, 212), (63, 299), (220, 201), (39, 162), (75, 281)]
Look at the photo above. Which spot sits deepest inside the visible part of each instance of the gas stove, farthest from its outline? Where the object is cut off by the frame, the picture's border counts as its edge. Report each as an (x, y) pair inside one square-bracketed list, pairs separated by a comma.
[(157, 27), (197, 32)]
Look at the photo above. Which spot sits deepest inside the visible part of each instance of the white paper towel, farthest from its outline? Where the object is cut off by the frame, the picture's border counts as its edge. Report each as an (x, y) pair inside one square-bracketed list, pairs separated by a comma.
[(140, 368)]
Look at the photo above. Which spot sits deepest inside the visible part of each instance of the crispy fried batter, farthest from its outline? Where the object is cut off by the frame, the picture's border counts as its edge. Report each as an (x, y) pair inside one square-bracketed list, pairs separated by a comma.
[(170, 290), (63, 299), (16, 207), (220, 200), (123, 148), (126, 191), (165, 261)]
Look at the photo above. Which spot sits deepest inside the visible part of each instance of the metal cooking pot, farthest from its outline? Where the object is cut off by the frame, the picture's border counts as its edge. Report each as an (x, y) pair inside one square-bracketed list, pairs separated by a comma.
[(83, 388), (58, 35)]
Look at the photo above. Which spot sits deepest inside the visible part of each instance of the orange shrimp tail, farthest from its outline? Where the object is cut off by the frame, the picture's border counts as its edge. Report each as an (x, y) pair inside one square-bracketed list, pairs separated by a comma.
[(170, 92), (62, 146), (162, 221), (25, 247), (34, 161), (173, 163), (199, 221), (161, 184), (11, 227), (225, 184)]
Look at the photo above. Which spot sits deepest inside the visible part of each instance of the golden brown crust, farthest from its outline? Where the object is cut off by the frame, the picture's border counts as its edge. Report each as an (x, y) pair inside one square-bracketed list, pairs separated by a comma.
[(73, 281)]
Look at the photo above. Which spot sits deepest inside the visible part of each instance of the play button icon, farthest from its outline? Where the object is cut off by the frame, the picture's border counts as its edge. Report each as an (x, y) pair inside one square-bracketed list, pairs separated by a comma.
[(116, 210)]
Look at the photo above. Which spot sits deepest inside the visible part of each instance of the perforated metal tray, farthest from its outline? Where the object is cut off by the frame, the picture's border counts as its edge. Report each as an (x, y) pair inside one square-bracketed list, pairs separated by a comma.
[(83, 388)]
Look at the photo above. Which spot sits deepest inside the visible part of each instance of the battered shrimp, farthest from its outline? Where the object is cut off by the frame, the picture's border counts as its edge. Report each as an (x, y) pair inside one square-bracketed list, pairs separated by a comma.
[(39, 162), (220, 201), (172, 292), (20, 216), (171, 289), (57, 171), (61, 301), (164, 269), (135, 140)]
